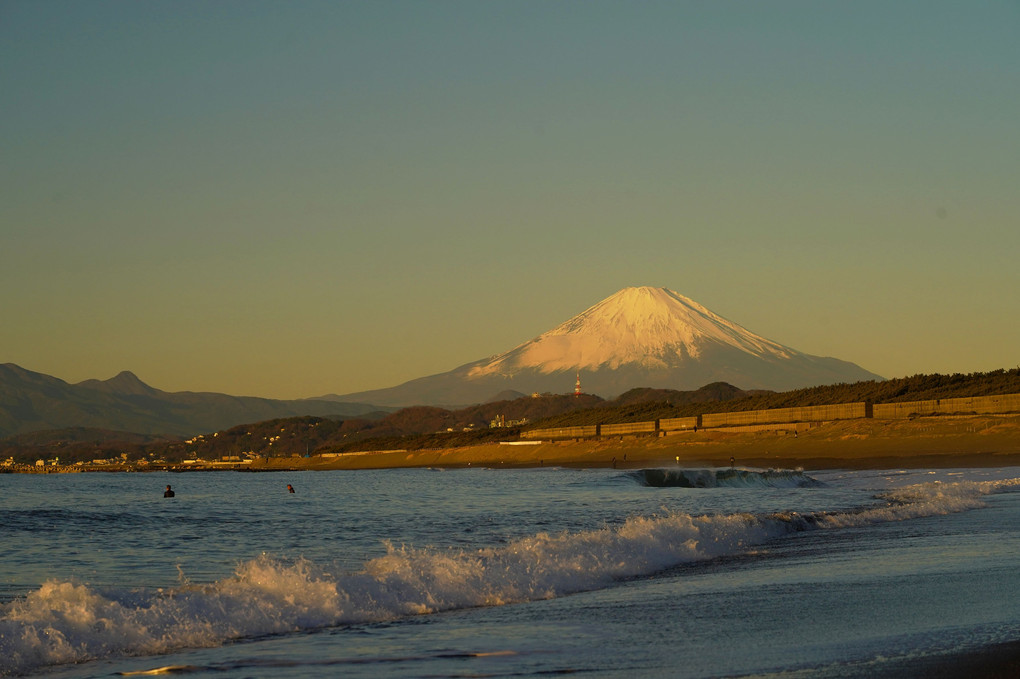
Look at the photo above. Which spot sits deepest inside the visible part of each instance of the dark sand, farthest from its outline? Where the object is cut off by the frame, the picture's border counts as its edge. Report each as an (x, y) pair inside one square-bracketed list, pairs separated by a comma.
[(1000, 661)]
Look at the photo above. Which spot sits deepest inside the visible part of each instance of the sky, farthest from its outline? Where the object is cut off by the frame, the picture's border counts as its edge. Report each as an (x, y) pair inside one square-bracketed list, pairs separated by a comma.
[(291, 199)]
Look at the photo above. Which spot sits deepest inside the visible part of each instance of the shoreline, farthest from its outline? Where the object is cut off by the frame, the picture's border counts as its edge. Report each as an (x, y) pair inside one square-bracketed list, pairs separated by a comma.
[(973, 441), (935, 442)]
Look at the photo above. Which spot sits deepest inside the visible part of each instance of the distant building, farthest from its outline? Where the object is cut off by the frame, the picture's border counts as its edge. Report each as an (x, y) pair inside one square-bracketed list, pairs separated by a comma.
[(500, 421)]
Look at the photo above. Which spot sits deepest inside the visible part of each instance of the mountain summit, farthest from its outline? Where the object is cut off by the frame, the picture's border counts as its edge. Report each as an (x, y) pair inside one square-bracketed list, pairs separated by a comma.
[(638, 337), (654, 328)]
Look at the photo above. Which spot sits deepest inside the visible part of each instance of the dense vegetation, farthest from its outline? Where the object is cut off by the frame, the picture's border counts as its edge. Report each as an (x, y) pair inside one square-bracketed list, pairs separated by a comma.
[(423, 427), (914, 388)]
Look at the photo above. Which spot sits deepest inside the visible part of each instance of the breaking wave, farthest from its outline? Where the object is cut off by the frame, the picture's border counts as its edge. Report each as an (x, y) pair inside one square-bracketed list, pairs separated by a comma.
[(67, 622), (727, 478)]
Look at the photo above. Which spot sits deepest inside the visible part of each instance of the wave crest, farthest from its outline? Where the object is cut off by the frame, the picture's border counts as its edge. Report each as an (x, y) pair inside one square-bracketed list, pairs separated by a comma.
[(65, 622), (724, 478)]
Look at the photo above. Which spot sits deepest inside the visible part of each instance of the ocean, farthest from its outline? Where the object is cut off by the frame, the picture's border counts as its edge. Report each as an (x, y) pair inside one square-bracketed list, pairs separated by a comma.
[(510, 573)]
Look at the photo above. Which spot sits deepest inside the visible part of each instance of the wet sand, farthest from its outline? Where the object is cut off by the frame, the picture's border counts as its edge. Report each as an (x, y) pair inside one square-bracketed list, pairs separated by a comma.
[(975, 441), (998, 661)]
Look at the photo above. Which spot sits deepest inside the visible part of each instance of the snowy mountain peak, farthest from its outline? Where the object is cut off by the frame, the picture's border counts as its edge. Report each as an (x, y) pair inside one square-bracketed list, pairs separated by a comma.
[(639, 337), (642, 326)]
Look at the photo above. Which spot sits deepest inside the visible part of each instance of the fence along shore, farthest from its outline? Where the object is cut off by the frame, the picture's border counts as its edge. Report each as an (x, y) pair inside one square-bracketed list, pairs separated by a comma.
[(965, 405)]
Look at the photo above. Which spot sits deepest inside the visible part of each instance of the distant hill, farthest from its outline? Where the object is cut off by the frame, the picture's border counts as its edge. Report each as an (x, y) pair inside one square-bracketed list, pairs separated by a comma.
[(717, 391), (431, 427), (507, 395), (310, 434), (83, 435), (31, 401), (645, 405)]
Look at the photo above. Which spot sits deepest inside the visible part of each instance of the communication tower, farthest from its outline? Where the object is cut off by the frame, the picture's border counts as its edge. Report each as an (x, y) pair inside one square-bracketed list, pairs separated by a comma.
[(577, 387)]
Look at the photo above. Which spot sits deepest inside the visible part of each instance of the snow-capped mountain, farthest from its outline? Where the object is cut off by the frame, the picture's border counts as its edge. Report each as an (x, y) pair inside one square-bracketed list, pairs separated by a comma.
[(654, 328), (639, 337)]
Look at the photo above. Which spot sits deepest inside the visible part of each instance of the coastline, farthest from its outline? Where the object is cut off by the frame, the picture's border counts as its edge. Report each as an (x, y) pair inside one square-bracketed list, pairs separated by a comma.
[(960, 441), (923, 442)]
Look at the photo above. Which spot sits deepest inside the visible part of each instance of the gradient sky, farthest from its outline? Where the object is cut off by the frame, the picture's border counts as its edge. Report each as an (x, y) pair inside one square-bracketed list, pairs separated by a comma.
[(289, 199)]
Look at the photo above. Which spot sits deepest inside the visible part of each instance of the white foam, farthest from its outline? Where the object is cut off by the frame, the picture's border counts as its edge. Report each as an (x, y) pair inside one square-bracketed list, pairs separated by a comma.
[(731, 478), (64, 622)]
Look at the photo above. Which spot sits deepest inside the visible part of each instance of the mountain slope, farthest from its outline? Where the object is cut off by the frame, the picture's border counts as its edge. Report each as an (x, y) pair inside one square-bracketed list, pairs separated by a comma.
[(31, 401), (649, 327), (639, 337)]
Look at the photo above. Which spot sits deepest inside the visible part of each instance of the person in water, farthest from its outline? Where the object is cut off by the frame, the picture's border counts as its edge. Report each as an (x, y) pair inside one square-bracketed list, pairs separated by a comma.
[(168, 492), (290, 488)]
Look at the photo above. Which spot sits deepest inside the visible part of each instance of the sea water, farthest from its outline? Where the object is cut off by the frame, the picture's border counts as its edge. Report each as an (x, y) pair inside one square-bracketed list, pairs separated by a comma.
[(477, 572)]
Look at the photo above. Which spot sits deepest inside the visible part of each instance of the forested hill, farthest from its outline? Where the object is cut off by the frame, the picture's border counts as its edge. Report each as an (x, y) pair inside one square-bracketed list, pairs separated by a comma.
[(913, 388)]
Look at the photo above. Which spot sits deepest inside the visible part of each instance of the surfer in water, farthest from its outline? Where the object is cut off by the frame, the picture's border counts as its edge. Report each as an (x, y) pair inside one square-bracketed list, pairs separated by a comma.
[(290, 488), (168, 492)]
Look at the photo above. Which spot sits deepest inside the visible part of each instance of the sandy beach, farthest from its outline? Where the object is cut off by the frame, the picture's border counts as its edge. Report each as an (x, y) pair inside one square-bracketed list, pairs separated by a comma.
[(974, 441)]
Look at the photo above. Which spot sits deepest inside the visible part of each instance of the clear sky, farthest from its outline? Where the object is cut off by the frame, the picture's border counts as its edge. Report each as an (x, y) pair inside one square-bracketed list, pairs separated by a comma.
[(288, 199)]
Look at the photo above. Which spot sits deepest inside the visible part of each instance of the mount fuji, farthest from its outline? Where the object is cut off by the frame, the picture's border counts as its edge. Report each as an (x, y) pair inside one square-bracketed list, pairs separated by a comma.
[(638, 337)]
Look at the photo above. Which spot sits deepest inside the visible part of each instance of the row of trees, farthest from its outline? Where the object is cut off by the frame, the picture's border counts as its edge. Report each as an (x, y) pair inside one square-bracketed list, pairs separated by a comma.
[(663, 403)]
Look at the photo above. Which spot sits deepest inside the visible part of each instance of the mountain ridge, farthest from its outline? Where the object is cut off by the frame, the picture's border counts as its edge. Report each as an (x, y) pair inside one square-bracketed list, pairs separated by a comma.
[(32, 401), (125, 382)]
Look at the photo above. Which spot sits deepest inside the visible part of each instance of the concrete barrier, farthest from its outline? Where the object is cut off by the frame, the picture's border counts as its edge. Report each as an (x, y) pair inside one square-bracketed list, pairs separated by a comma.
[(628, 428), (839, 411), (586, 432), (980, 405), (1005, 403), (905, 409), (679, 423)]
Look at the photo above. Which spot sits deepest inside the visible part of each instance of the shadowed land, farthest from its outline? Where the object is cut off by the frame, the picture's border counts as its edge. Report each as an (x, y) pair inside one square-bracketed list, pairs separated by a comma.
[(974, 441)]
